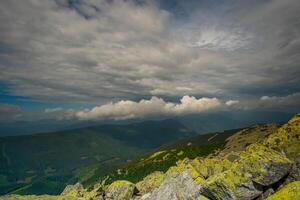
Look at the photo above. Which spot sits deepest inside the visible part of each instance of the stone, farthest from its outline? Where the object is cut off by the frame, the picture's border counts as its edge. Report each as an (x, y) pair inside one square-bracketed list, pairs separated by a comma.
[(177, 186), (76, 190), (258, 166), (266, 194), (150, 182), (120, 190), (288, 192), (287, 139)]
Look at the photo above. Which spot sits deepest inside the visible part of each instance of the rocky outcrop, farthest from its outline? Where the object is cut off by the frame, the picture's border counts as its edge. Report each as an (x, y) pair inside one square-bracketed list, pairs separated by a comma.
[(256, 172), (288, 192), (76, 190), (287, 139), (120, 190), (150, 182), (258, 167), (176, 186)]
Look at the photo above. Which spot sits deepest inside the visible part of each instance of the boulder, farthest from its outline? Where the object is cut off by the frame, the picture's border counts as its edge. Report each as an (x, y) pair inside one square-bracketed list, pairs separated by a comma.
[(120, 190), (177, 186), (258, 166), (210, 166), (150, 182), (76, 190), (266, 194), (288, 192)]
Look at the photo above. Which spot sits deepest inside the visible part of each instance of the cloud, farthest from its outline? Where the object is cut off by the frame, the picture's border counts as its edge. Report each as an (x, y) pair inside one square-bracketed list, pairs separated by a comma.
[(155, 107), (232, 102), (291, 101), (98, 51), (287, 103), (60, 113), (9, 111)]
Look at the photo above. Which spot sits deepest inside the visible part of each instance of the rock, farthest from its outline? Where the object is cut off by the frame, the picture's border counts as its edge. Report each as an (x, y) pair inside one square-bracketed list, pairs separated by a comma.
[(288, 192), (287, 138), (210, 166), (95, 193), (177, 186), (150, 182), (201, 197), (266, 194), (257, 167), (120, 190), (76, 190)]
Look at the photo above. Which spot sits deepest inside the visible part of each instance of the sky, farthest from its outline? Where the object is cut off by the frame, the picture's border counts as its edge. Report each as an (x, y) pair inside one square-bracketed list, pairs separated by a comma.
[(132, 59)]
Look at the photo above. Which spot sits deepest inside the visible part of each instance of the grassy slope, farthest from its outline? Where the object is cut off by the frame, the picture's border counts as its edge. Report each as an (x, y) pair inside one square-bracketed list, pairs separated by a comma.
[(163, 158), (45, 163), (198, 146)]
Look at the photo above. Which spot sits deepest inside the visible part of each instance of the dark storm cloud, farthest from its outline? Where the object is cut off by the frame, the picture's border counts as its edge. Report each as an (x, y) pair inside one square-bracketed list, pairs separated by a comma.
[(99, 50)]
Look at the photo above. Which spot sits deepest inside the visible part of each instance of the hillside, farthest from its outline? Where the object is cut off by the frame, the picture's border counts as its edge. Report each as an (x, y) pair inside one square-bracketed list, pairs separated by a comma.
[(45, 163), (265, 166), (160, 159)]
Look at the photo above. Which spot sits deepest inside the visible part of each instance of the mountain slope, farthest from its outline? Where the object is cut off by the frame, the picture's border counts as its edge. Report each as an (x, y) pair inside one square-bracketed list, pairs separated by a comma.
[(160, 159), (264, 167), (45, 163)]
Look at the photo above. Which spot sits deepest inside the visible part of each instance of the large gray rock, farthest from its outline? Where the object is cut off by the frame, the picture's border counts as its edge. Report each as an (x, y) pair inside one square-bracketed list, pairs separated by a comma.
[(259, 166), (177, 186), (120, 190)]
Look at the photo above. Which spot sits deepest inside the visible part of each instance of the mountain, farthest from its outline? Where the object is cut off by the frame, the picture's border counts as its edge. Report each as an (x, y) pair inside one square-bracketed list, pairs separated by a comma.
[(45, 163), (160, 159), (201, 123), (14, 128), (210, 122), (254, 163)]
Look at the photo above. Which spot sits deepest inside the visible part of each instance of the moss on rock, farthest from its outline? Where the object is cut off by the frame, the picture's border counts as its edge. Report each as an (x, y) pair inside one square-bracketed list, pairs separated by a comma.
[(288, 192), (76, 190), (258, 166), (150, 182), (120, 190), (287, 138)]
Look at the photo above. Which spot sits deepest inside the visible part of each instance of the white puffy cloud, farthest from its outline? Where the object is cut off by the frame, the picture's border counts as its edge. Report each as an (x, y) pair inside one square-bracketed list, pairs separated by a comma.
[(155, 107), (232, 102)]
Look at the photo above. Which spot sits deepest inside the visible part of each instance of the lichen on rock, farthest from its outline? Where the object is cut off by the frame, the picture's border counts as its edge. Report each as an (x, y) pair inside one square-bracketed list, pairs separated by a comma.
[(288, 192), (287, 138), (258, 166), (76, 190), (120, 190), (150, 182), (177, 186)]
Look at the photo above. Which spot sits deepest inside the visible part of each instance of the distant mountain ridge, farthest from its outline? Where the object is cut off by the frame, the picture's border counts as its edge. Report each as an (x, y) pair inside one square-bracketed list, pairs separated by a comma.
[(201, 123)]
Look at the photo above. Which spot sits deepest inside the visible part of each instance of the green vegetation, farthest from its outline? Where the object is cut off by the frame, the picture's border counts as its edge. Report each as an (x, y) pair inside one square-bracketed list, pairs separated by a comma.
[(46, 163), (166, 156), (288, 192)]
